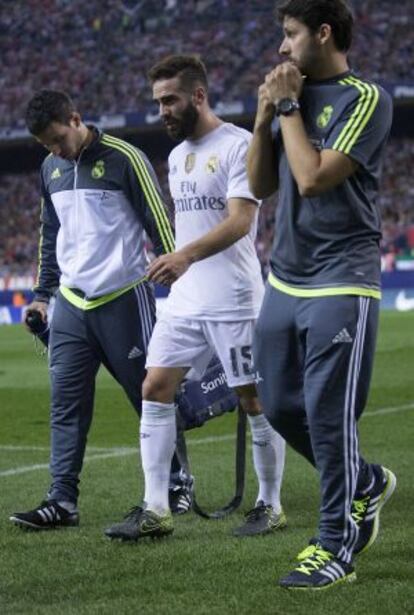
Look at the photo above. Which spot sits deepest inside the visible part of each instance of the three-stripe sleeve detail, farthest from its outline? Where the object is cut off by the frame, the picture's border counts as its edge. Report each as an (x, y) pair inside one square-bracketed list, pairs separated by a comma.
[(365, 107), (39, 250), (148, 187)]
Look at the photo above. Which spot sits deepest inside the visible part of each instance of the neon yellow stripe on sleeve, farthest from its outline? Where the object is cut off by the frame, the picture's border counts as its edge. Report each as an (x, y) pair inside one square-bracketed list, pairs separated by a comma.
[(364, 109), (151, 194), (39, 250)]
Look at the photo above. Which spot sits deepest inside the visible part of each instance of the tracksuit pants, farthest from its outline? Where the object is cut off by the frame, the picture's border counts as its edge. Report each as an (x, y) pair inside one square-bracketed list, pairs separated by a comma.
[(314, 359), (115, 334)]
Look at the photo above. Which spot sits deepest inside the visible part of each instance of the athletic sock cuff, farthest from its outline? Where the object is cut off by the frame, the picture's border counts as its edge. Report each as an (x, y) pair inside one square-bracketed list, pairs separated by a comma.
[(258, 421), (156, 412)]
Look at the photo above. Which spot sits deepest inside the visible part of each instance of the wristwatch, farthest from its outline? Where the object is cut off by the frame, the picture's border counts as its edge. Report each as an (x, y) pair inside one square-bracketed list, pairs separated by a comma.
[(286, 106)]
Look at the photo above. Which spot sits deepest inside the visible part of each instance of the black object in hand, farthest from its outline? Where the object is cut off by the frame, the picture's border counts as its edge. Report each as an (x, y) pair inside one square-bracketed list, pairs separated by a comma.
[(37, 326), (35, 322)]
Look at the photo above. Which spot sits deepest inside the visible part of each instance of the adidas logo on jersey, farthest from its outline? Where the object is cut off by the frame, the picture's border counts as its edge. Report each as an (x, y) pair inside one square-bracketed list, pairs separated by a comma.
[(343, 337), (134, 353)]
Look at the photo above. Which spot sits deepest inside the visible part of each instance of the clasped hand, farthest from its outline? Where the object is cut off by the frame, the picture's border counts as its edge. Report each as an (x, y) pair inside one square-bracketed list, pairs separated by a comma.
[(284, 81)]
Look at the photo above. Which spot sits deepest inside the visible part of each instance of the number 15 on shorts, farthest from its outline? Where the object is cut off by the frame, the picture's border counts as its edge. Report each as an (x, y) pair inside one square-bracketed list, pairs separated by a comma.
[(241, 360)]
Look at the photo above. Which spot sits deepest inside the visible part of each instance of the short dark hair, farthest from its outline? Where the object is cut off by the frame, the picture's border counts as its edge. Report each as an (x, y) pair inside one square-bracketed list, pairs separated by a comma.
[(313, 13), (48, 106), (188, 68)]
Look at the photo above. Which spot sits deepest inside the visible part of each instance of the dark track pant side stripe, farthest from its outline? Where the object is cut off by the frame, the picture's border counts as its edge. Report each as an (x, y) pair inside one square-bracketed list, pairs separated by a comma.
[(146, 308)]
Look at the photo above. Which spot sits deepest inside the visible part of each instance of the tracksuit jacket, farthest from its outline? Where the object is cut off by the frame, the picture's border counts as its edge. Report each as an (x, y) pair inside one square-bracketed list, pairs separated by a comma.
[(94, 216)]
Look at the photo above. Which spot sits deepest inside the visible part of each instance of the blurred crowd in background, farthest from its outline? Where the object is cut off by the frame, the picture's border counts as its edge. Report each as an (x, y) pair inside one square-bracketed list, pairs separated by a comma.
[(100, 51), (20, 209)]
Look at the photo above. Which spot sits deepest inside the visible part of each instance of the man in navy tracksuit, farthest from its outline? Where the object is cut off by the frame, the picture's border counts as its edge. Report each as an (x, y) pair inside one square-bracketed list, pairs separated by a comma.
[(319, 140), (99, 198)]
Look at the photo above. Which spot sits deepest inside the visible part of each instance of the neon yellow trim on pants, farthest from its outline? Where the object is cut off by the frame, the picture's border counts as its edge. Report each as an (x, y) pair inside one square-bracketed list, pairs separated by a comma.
[(322, 292), (91, 304)]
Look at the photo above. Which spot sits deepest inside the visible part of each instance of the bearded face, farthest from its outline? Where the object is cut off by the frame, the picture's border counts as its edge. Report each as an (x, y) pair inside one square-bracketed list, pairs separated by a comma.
[(299, 46), (177, 109), (181, 124)]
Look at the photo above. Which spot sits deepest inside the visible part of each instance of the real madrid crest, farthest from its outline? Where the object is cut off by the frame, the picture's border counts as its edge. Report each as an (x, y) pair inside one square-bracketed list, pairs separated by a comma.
[(324, 117), (212, 164), (98, 170), (190, 162)]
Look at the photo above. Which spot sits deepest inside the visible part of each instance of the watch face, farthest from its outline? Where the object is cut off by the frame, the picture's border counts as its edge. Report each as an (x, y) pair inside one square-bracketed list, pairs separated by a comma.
[(285, 105)]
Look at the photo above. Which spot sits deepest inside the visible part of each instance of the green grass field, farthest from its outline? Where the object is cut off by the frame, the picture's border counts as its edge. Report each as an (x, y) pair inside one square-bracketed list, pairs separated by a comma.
[(201, 569)]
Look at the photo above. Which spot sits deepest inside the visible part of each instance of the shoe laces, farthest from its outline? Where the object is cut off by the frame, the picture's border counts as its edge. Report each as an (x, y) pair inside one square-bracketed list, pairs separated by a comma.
[(313, 558), (310, 550), (134, 513), (359, 508), (257, 512)]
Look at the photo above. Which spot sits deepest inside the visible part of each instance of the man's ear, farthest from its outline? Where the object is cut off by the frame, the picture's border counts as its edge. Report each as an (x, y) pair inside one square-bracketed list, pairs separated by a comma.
[(75, 119), (324, 33), (199, 95)]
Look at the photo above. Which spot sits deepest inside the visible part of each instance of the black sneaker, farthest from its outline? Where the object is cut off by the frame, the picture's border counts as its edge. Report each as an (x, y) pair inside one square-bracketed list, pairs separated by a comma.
[(366, 509), (318, 569), (261, 520), (141, 523), (48, 516), (180, 497)]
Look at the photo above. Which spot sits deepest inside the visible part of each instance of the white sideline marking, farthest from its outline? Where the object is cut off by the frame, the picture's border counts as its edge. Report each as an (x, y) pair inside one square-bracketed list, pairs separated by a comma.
[(390, 410), (115, 452), (107, 453), (211, 439), (23, 469), (12, 447)]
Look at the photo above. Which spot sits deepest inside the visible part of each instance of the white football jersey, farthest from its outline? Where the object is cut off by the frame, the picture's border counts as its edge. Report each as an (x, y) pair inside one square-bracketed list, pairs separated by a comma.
[(203, 175)]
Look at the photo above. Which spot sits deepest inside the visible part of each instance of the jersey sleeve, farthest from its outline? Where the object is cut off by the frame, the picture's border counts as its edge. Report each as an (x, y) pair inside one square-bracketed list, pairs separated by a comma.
[(144, 191), (238, 185), (48, 273), (363, 127)]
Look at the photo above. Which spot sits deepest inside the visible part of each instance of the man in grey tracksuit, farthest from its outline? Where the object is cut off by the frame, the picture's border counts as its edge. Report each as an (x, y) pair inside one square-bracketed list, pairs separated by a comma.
[(319, 140), (100, 197)]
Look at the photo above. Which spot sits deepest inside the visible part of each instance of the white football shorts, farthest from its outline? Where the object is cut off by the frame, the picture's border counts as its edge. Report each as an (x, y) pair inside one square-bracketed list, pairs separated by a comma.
[(183, 342)]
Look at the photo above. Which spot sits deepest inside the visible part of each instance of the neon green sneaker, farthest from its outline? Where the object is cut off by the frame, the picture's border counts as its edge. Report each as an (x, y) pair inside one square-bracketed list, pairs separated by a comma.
[(366, 509), (318, 569)]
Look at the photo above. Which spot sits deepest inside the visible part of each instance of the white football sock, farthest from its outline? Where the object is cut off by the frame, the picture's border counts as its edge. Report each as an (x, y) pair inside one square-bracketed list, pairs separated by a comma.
[(158, 436), (268, 460)]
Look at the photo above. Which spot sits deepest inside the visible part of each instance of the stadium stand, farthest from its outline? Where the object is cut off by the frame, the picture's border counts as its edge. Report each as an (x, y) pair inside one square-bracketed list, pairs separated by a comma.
[(19, 213), (103, 48)]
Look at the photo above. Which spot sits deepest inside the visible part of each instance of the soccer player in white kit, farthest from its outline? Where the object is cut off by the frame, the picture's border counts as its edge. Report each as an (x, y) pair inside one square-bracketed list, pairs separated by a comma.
[(216, 293)]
